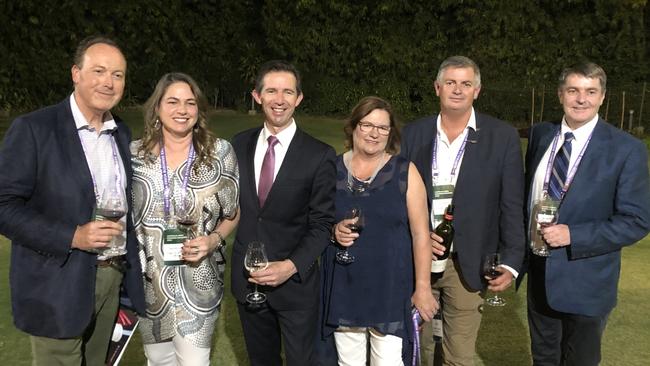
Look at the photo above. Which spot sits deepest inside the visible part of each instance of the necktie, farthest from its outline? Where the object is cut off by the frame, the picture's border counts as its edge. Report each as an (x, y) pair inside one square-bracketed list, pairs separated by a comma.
[(268, 168), (560, 168)]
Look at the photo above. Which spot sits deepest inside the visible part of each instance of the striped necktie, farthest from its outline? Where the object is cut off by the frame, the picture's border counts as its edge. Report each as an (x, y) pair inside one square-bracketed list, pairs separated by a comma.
[(560, 168)]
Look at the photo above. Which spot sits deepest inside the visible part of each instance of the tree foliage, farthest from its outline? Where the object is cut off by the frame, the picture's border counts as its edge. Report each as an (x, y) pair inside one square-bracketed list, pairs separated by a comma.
[(344, 49)]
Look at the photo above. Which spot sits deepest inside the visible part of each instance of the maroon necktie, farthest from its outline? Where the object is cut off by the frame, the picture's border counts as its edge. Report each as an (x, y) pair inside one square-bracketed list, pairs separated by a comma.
[(266, 174)]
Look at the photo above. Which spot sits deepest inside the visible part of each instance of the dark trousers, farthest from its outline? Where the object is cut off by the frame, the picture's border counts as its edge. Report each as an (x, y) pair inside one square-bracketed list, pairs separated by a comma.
[(267, 329), (559, 338)]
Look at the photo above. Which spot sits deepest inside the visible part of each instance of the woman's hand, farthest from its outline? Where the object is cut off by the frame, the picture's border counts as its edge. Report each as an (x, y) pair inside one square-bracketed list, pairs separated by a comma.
[(426, 304), (343, 234), (196, 249)]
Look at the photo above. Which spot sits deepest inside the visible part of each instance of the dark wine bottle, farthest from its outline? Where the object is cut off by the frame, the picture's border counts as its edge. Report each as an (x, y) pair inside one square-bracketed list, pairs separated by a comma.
[(445, 230)]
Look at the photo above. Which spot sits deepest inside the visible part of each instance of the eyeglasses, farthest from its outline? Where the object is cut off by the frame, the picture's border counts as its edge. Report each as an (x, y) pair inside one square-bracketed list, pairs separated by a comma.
[(366, 127)]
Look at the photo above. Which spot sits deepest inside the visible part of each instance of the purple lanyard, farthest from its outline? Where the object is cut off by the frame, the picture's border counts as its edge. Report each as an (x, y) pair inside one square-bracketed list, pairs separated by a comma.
[(415, 318), (116, 162), (434, 157), (165, 175), (572, 172)]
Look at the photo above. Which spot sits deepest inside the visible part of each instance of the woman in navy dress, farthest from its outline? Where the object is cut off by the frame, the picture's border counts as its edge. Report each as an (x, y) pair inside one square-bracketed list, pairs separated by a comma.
[(369, 298)]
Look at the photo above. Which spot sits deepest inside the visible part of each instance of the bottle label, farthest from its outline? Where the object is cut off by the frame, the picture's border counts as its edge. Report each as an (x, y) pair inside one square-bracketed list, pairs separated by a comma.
[(438, 266)]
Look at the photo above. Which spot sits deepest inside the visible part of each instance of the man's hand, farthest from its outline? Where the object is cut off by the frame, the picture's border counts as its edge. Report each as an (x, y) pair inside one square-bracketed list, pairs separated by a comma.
[(501, 282), (95, 234), (436, 245), (557, 235), (275, 274)]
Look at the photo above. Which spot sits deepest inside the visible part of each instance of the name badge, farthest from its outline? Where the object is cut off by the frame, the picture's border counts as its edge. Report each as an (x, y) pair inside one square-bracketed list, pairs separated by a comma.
[(172, 247)]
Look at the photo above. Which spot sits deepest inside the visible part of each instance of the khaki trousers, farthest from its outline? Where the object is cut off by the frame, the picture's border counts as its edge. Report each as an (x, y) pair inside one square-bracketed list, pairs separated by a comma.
[(89, 349), (461, 320)]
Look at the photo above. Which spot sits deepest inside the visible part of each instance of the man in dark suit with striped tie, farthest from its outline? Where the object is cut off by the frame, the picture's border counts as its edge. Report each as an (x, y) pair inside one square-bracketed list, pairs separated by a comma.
[(598, 175)]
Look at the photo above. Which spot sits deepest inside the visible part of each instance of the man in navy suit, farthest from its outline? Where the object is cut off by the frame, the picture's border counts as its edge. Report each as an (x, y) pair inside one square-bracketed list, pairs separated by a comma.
[(55, 162), (289, 206), (472, 161), (604, 205)]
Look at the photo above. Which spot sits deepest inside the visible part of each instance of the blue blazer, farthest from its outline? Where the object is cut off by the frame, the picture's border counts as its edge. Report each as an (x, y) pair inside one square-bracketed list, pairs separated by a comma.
[(295, 221), (606, 208), (46, 190), (489, 193)]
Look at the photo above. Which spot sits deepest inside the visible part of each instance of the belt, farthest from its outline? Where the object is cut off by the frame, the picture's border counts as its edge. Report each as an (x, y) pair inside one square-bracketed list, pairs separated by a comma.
[(118, 263)]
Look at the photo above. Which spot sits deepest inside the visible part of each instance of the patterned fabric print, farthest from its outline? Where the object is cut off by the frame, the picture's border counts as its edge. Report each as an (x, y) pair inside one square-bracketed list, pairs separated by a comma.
[(183, 299)]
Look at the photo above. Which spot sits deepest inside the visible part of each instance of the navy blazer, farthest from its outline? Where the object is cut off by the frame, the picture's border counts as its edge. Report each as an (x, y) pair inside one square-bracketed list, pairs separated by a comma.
[(489, 193), (295, 221), (606, 208), (46, 190)]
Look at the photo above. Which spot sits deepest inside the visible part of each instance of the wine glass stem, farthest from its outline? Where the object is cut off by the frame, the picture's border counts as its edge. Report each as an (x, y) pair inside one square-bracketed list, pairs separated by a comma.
[(255, 288)]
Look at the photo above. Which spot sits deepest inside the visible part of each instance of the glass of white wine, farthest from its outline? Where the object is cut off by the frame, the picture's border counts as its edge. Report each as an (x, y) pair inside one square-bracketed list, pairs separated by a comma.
[(255, 260)]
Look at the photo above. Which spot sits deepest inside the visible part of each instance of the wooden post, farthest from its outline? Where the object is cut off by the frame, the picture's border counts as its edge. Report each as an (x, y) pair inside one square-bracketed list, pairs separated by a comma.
[(622, 110), (532, 107), (642, 100), (541, 108)]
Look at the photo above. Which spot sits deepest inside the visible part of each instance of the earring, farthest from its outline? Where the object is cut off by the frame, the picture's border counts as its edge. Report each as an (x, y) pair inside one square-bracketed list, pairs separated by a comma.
[(156, 124)]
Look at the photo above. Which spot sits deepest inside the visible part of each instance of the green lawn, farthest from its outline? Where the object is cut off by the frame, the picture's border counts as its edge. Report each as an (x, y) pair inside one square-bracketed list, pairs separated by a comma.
[(503, 338)]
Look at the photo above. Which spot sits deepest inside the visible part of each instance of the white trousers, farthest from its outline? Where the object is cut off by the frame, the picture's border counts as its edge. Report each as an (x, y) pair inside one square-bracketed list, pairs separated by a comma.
[(352, 343), (177, 352)]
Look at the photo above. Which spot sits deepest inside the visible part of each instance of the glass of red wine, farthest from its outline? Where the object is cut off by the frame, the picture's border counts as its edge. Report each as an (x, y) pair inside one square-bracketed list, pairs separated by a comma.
[(490, 264), (112, 207), (343, 256), (187, 216), (255, 260)]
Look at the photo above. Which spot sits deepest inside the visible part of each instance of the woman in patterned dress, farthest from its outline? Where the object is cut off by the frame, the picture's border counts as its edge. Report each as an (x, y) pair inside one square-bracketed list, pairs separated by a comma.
[(179, 159)]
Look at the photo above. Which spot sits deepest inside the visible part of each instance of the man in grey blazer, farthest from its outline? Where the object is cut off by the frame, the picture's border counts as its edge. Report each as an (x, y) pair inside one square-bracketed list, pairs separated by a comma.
[(604, 205), (472, 161), (55, 162)]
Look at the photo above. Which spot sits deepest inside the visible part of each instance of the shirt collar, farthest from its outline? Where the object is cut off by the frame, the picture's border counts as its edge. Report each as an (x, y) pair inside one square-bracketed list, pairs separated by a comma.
[(82, 123), (471, 123), (581, 133), (284, 137)]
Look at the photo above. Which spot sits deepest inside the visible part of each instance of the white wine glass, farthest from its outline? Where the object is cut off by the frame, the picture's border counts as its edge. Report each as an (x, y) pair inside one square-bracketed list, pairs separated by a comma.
[(255, 260), (490, 264)]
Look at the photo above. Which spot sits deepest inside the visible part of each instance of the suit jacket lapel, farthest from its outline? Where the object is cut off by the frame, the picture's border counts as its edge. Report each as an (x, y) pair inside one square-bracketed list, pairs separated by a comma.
[(290, 161), (470, 168), (542, 145), (589, 166), (250, 166), (72, 149)]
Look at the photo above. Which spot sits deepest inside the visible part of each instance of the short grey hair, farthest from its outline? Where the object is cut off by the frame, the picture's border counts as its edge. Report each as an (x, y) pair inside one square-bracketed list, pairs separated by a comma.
[(459, 62)]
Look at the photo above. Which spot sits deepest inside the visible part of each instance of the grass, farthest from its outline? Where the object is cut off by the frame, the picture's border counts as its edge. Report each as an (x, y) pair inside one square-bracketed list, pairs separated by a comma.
[(503, 337)]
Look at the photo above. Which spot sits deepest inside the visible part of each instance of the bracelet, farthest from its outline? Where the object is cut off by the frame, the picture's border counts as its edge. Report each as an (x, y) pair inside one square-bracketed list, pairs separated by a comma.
[(222, 241)]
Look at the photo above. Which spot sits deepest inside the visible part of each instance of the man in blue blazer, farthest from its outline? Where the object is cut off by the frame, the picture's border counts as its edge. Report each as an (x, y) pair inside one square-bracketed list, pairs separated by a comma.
[(54, 163), (604, 205), (474, 162), (291, 212)]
